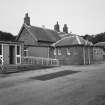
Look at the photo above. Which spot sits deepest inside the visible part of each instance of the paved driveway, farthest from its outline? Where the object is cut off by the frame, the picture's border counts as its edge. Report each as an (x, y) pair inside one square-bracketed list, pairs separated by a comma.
[(66, 85)]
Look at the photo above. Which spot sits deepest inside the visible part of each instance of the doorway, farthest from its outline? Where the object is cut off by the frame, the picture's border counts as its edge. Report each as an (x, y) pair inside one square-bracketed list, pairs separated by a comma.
[(11, 54)]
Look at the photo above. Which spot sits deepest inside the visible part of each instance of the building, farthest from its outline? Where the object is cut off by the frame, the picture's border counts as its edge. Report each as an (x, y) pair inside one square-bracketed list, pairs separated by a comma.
[(35, 43), (75, 50), (36, 40), (67, 48), (38, 46), (101, 44)]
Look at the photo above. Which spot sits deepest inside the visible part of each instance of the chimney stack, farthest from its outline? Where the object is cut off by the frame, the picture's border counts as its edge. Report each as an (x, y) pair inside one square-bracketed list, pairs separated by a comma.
[(27, 19), (56, 27), (65, 28)]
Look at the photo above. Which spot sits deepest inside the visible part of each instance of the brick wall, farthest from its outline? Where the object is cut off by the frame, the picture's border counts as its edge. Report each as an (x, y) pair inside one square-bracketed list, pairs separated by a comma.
[(78, 55), (88, 55), (98, 54), (75, 57), (28, 39), (38, 51)]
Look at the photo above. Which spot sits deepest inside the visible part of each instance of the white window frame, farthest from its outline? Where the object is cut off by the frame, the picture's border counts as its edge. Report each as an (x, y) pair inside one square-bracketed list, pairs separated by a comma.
[(1, 56), (59, 51), (18, 56), (55, 51), (68, 51), (19, 50), (26, 50)]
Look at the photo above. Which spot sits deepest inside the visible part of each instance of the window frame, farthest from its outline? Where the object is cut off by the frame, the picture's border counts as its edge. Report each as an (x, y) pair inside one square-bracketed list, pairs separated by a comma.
[(59, 51), (68, 51), (18, 55), (26, 52), (55, 53), (18, 50)]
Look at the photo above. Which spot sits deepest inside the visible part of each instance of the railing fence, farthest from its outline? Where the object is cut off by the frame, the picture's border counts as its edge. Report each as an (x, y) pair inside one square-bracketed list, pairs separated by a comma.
[(39, 61)]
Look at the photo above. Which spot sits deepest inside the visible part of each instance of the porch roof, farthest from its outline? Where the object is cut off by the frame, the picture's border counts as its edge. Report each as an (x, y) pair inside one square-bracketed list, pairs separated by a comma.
[(11, 42)]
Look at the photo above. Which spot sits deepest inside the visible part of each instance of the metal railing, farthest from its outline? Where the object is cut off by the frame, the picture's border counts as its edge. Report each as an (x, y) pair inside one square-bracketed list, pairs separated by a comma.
[(39, 61)]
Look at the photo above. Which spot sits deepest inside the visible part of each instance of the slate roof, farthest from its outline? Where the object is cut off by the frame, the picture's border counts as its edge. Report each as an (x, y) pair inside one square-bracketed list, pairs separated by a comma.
[(42, 34), (102, 44), (72, 40), (62, 34)]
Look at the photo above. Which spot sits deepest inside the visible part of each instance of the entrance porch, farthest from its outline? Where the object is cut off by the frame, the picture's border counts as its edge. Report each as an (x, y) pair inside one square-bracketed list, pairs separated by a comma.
[(10, 53)]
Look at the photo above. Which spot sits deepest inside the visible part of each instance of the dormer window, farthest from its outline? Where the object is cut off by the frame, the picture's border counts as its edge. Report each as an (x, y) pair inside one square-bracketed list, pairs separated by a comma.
[(68, 51), (59, 51)]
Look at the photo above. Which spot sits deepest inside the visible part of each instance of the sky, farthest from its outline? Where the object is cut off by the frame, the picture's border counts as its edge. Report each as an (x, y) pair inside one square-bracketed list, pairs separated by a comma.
[(81, 16)]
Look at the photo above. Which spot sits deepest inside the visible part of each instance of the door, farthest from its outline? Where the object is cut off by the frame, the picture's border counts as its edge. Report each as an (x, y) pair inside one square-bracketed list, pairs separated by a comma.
[(11, 54)]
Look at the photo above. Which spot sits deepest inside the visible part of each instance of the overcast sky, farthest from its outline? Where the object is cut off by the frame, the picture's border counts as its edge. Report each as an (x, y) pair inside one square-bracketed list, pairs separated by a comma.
[(81, 16)]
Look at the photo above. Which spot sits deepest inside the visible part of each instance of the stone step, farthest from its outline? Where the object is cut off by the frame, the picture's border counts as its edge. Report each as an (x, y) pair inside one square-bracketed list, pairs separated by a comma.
[(8, 68), (18, 68)]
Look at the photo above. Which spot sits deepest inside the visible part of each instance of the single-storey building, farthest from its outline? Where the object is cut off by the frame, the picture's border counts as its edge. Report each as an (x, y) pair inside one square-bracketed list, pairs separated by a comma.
[(37, 40), (76, 50), (101, 44), (35, 46), (41, 43), (46, 43)]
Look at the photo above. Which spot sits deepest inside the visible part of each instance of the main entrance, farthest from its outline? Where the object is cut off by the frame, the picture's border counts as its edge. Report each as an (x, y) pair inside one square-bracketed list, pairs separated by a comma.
[(11, 54)]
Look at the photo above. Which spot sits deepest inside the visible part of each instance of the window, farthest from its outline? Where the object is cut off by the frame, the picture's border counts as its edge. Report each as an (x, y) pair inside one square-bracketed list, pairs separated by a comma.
[(95, 51), (59, 51), (54, 51), (18, 50), (0, 49), (68, 51), (18, 59), (25, 52)]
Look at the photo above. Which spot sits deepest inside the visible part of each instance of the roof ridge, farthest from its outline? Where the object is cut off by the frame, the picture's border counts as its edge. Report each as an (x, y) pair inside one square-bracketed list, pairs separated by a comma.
[(43, 28), (19, 32), (61, 40), (77, 37), (30, 31)]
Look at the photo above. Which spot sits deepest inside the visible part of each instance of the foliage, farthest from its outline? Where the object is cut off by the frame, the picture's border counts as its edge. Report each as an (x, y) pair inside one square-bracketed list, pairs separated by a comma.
[(95, 38), (4, 36)]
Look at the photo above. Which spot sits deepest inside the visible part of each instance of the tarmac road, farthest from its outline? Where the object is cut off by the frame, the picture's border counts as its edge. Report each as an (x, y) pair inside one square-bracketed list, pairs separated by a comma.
[(55, 86)]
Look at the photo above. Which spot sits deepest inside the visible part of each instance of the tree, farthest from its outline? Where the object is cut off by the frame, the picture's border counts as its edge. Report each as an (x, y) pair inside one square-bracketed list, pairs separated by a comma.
[(95, 38), (4, 36)]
